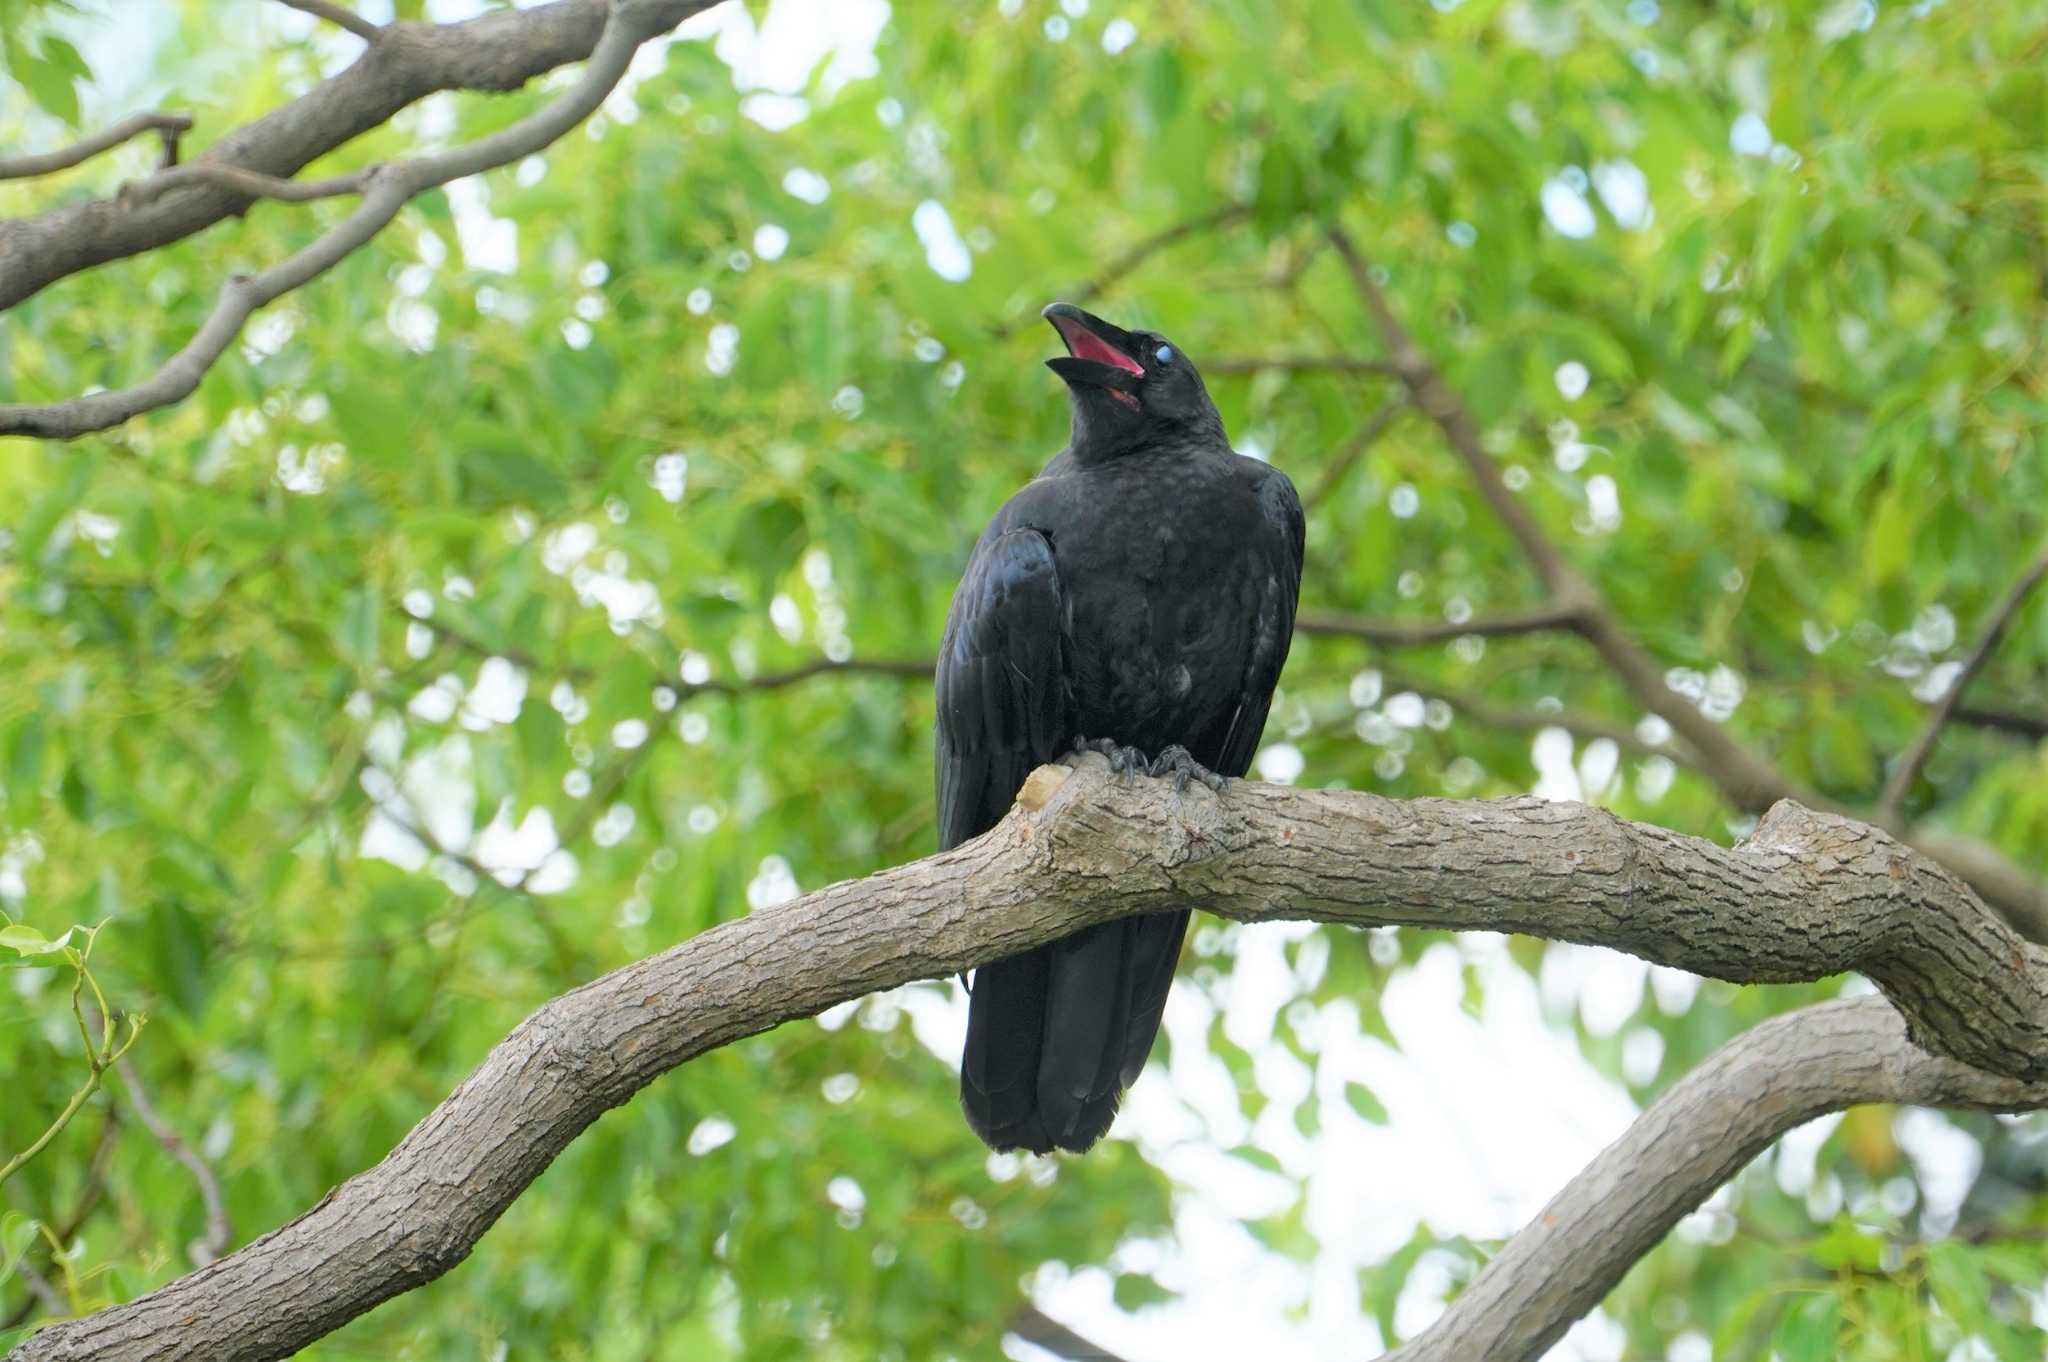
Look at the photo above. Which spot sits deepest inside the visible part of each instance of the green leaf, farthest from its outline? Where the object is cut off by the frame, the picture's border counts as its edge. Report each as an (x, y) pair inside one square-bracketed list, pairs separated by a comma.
[(1365, 1103), (355, 632)]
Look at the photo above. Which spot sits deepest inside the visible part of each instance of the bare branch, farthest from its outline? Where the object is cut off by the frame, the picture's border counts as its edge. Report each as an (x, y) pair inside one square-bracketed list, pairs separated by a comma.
[(1745, 779), (1486, 714), (1695, 1137), (167, 125), (249, 182), (2034, 726), (1354, 449), (1113, 273), (220, 1231), (1808, 896), (1909, 767), (340, 16), (501, 50), (1415, 633), (388, 188), (1041, 1330), (1335, 364), (1429, 392)]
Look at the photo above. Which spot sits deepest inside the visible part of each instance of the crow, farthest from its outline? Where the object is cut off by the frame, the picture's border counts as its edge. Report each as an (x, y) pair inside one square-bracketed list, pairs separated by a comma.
[(1136, 599)]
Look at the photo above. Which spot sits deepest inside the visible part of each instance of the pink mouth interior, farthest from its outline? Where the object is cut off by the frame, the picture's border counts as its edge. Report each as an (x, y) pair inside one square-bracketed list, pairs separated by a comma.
[(1085, 344)]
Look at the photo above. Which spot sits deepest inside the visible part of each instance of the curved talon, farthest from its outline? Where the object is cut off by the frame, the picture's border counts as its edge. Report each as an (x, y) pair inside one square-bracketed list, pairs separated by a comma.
[(1127, 762), (1178, 762)]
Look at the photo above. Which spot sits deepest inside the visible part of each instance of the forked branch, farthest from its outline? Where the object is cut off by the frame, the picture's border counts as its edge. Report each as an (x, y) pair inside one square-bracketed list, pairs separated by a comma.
[(1810, 895)]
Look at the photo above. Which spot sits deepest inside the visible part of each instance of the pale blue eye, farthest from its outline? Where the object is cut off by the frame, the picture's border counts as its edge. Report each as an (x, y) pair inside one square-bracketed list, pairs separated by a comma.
[(1164, 354)]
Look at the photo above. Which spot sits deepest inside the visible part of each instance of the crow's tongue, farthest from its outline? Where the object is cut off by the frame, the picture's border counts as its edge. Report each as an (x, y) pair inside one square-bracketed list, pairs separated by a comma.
[(1085, 344)]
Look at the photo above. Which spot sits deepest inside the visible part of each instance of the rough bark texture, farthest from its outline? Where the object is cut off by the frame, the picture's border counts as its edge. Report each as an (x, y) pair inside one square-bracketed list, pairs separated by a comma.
[(1694, 1138), (1809, 895), (409, 61)]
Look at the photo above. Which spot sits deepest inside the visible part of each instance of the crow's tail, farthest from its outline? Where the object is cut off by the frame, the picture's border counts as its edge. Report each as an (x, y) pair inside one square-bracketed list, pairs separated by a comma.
[(1055, 1035)]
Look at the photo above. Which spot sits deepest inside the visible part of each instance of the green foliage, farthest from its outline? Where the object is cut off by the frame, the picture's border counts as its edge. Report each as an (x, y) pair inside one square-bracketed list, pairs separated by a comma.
[(1793, 252)]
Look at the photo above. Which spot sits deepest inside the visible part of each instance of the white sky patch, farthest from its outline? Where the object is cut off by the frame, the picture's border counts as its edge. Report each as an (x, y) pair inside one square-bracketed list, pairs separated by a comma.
[(771, 240), (488, 242), (807, 185), (1625, 190), (1118, 34), (496, 697), (1566, 210), (944, 251), (1556, 776), (1571, 379), (791, 41), (777, 113), (1749, 135)]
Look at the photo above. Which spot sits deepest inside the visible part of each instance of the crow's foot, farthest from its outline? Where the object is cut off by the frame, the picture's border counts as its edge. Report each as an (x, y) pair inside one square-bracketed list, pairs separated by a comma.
[(1178, 762), (1124, 761)]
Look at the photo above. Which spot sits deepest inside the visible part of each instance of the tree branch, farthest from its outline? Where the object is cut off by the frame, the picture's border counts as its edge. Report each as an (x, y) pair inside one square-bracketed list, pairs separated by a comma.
[(1915, 760), (220, 1231), (166, 125), (497, 51), (1415, 633), (1041, 1330), (1745, 779), (1130, 260), (1300, 364), (249, 182), (340, 16), (1695, 1137), (388, 188), (1354, 449), (1810, 895), (2033, 726)]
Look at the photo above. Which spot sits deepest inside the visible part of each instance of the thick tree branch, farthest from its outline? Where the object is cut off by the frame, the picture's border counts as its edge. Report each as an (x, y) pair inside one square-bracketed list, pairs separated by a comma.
[(387, 189), (1695, 1137), (1810, 895), (1745, 779), (1915, 760), (165, 125), (340, 16), (497, 51)]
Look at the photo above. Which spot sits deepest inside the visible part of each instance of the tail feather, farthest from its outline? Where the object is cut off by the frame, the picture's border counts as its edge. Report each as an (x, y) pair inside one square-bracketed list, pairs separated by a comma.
[(1055, 1034)]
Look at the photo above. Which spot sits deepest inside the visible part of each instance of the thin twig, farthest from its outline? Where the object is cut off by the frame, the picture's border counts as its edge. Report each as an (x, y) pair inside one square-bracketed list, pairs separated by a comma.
[(340, 16), (1354, 449), (2033, 726), (1300, 364), (1909, 767), (1041, 1330), (1131, 259), (221, 175), (220, 1231), (389, 188), (1415, 633), (1486, 714), (169, 125)]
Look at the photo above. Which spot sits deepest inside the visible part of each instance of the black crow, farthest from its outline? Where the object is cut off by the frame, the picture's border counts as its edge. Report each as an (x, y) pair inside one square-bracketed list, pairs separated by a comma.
[(1137, 599)]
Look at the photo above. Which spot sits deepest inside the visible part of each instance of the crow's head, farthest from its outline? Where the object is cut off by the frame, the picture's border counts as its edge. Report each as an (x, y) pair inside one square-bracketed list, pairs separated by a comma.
[(1129, 388)]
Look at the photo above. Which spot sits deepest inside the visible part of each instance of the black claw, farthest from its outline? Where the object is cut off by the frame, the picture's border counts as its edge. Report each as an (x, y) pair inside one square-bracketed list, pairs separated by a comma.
[(1127, 762), (1179, 763)]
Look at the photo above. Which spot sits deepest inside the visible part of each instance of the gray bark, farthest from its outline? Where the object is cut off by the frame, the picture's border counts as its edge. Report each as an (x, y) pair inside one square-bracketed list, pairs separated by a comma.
[(408, 62), (1810, 895)]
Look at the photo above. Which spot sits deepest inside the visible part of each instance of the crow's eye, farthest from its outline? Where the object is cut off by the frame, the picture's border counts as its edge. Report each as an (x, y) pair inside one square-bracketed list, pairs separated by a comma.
[(1164, 354)]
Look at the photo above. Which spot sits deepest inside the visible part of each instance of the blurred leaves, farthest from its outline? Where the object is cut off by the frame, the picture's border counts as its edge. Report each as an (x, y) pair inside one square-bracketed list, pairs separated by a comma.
[(1747, 301)]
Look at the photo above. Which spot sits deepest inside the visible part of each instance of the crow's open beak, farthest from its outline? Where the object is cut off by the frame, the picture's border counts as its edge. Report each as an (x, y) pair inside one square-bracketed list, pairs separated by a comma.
[(1098, 353)]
